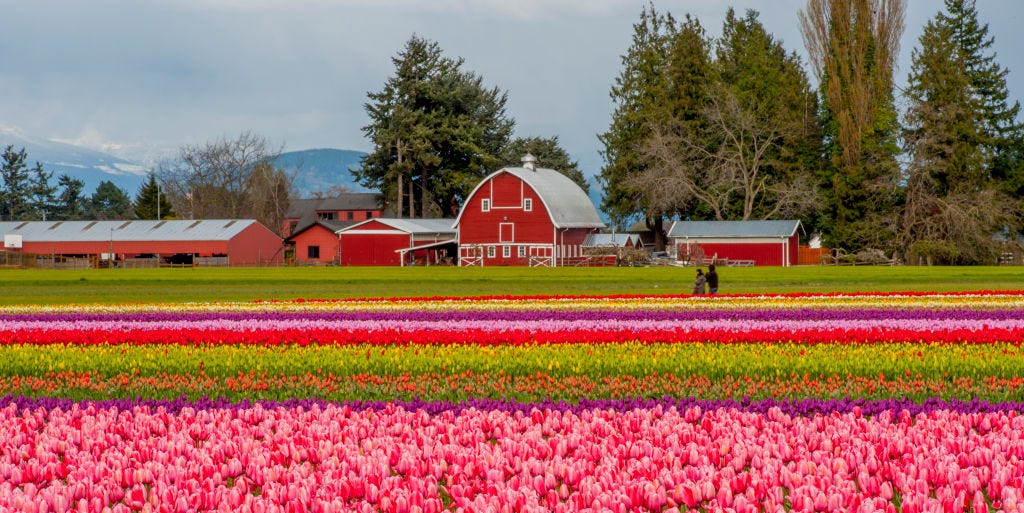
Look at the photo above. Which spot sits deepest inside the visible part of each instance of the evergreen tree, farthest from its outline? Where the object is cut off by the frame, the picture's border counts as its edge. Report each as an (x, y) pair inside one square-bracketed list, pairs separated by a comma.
[(436, 132), (1001, 134), (952, 206), (70, 204), (151, 202), (16, 184), (110, 202), (549, 154), (754, 67), (662, 83), (42, 201), (741, 139), (986, 77)]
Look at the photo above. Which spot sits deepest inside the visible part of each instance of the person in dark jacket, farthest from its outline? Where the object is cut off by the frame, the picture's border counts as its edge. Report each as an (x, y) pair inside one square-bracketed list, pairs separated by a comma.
[(712, 279), (698, 285)]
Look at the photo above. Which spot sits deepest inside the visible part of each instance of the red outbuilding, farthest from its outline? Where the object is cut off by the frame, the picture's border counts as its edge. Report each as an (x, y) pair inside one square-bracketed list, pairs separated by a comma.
[(525, 216), (347, 208), (206, 241), (317, 243), (736, 242), (387, 241)]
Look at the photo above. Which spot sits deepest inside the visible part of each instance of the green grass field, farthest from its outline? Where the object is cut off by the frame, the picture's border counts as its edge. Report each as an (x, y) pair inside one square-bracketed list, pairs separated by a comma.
[(237, 284)]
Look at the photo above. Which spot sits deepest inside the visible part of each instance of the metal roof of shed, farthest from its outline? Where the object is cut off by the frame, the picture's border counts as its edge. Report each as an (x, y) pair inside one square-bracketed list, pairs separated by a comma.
[(611, 239), (734, 229), (127, 231), (565, 201), (413, 226), (344, 201)]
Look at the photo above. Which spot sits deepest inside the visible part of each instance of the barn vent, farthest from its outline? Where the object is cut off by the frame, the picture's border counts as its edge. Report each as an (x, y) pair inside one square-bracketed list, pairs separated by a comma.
[(529, 162)]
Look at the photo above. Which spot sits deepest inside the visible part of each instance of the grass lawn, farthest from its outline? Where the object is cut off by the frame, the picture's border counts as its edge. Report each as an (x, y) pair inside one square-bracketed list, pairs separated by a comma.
[(243, 284)]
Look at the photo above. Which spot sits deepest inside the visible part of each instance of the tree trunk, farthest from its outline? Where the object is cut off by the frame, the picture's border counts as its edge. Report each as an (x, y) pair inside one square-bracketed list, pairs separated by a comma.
[(657, 226), (398, 204), (412, 199), (424, 194), (398, 208)]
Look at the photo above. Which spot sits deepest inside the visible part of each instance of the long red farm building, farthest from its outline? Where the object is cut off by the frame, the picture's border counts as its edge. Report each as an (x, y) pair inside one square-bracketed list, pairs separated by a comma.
[(218, 241)]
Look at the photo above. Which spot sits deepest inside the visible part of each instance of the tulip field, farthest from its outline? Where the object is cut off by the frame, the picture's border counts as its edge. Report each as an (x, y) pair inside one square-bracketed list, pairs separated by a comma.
[(896, 401)]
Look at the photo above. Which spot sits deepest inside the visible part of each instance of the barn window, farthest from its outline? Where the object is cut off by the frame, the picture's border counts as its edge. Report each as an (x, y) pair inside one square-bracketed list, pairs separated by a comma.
[(369, 214), (490, 251), (485, 205), (528, 204), (350, 215), (326, 216), (522, 251), (506, 251), (313, 252)]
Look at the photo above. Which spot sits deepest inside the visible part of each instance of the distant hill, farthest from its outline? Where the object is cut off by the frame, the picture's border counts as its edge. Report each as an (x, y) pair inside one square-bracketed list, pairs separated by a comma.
[(89, 166), (316, 170), (319, 169)]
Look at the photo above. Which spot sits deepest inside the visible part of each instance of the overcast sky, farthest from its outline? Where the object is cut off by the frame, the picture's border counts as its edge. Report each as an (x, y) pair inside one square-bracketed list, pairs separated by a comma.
[(130, 76)]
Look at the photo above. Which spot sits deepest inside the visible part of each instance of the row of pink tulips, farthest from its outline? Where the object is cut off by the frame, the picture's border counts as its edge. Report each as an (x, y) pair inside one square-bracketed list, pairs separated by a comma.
[(548, 325), (334, 458)]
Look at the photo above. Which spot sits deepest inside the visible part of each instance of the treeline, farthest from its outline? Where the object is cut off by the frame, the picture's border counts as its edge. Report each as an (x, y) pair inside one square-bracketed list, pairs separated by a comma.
[(731, 128), (29, 194), (221, 179)]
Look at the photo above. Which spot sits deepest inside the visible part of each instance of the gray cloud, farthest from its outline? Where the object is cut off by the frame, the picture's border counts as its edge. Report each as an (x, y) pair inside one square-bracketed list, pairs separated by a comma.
[(167, 73)]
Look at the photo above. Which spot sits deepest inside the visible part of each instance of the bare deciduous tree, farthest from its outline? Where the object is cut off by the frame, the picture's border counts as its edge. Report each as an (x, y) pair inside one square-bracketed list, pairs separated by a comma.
[(841, 37), (723, 162), (229, 179)]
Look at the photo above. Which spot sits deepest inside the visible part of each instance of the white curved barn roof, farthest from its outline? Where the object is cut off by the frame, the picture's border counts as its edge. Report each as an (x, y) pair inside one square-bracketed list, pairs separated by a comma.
[(565, 201)]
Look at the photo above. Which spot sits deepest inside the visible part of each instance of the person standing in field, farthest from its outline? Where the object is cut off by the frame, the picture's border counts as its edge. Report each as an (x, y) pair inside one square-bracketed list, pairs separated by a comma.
[(698, 285), (712, 279)]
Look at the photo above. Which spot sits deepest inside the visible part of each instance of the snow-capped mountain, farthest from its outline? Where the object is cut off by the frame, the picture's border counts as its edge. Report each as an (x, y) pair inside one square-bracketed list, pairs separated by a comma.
[(89, 166)]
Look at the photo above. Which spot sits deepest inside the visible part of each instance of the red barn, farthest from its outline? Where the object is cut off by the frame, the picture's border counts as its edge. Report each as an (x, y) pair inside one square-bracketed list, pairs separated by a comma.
[(387, 241), (525, 216), (317, 243), (737, 242), (211, 241), (348, 207)]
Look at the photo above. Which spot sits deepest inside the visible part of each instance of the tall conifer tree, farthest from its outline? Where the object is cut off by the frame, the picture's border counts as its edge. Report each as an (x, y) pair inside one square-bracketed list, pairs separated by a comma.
[(436, 131), (663, 81), (954, 123)]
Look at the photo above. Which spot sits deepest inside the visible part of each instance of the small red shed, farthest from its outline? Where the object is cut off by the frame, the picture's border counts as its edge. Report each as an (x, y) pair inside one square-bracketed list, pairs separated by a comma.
[(317, 243), (388, 241), (738, 242), (525, 216)]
